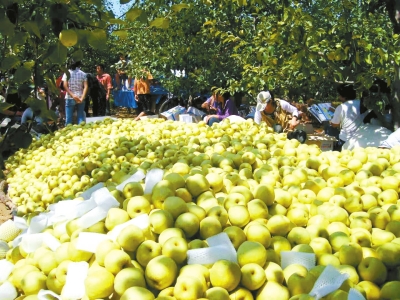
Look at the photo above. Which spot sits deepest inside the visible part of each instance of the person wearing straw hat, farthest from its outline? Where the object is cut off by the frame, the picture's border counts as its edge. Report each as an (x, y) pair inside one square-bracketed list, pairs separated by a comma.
[(277, 113)]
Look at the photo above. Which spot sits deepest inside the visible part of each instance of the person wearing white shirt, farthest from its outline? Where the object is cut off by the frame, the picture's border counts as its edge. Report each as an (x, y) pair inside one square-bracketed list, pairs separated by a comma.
[(393, 140), (347, 116), (275, 112)]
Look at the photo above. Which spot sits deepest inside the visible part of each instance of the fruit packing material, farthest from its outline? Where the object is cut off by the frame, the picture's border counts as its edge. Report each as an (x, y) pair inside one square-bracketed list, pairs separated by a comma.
[(8, 291), (6, 268), (138, 176), (8, 231), (74, 287), (3, 250), (46, 295), (186, 118), (292, 257), (88, 241), (141, 221), (355, 295), (88, 193), (89, 212), (329, 281), (220, 248), (31, 242), (153, 177)]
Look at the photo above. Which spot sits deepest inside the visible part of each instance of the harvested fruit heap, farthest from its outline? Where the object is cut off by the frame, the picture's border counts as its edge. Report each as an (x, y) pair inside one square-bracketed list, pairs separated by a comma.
[(169, 210)]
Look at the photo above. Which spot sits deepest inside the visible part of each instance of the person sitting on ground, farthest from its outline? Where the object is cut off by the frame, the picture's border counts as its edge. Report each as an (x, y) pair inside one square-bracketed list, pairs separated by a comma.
[(225, 108), (347, 116), (277, 113), (211, 104)]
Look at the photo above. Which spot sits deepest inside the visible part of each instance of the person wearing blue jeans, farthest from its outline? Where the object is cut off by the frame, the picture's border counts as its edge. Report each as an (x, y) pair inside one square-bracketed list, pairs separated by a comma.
[(76, 88)]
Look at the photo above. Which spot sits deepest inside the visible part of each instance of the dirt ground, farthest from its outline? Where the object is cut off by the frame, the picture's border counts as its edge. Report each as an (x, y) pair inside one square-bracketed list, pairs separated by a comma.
[(6, 205)]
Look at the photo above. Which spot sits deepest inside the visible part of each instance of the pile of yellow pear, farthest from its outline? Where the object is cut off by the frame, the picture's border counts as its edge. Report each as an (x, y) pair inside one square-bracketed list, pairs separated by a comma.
[(267, 193)]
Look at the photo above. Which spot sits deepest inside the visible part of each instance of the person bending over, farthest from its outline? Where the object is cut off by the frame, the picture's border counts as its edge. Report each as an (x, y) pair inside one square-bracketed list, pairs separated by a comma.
[(278, 114)]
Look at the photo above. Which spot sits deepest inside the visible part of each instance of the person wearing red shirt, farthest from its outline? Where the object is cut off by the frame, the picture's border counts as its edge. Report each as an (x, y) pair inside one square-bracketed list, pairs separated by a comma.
[(106, 81)]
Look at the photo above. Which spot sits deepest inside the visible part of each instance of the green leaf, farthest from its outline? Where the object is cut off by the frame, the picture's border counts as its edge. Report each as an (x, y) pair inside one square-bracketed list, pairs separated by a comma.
[(133, 14), (19, 38), (22, 74), (179, 7), (9, 62), (122, 34), (29, 64), (124, 1), (24, 91), (77, 55), (48, 114), (98, 39), (33, 27), (5, 106), (160, 23), (36, 105), (6, 27), (58, 53), (117, 21), (21, 139)]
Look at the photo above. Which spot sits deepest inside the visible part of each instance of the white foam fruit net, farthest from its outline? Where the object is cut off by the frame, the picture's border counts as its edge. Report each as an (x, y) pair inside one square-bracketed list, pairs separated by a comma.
[(301, 258), (329, 281), (220, 247), (355, 295), (8, 231)]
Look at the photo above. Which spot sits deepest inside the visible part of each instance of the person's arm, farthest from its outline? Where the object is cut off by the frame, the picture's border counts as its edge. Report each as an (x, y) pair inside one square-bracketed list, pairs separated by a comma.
[(69, 92), (109, 87), (85, 91), (335, 122), (393, 140), (209, 104), (257, 117), (135, 89)]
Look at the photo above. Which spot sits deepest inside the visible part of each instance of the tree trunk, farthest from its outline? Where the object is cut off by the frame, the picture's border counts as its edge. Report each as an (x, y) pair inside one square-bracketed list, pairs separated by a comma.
[(396, 98)]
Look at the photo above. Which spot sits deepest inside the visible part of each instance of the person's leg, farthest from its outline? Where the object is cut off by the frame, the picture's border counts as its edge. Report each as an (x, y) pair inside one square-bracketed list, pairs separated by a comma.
[(118, 80), (140, 104), (145, 102), (108, 108), (102, 103), (81, 112), (95, 104), (27, 115), (213, 120), (69, 110)]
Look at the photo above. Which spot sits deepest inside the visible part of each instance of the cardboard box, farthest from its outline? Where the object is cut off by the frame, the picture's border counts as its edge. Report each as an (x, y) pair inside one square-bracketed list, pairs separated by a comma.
[(186, 118), (173, 113), (325, 142)]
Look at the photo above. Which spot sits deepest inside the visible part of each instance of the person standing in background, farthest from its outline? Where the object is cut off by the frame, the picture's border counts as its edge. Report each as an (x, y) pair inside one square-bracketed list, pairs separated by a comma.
[(121, 74), (141, 89), (76, 88), (106, 81)]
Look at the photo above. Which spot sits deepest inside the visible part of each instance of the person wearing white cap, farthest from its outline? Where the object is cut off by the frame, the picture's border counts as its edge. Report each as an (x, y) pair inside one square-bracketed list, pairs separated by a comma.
[(275, 112)]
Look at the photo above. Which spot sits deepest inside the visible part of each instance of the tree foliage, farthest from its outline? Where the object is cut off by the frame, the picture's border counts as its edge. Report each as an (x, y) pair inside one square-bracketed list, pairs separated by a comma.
[(300, 49)]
